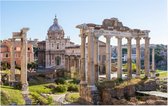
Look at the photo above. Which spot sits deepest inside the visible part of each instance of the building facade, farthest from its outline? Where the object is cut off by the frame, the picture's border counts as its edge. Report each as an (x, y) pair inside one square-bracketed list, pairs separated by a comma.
[(57, 52), (51, 52), (5, 52)]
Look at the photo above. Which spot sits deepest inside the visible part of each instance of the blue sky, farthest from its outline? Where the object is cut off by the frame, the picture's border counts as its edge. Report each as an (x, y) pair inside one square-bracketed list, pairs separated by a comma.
[(39, 15)]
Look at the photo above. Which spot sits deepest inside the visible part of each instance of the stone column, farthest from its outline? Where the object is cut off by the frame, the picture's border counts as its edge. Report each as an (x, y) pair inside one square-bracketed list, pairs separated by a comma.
[(82, 49), (153, 59), (90, 73), (129, 60), (12, 61), (153, 63), (24, 60), (119, 58), (146, 58), (68, 63), (108, 57), (96, 54), (138, 55)]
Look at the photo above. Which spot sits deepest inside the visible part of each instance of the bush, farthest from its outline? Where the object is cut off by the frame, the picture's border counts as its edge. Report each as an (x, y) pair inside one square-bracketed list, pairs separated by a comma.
[(60, 88), (157, 74), (73, 87), (41, 100), (18, 86), (51, 86), (75, 81), (60, 81)]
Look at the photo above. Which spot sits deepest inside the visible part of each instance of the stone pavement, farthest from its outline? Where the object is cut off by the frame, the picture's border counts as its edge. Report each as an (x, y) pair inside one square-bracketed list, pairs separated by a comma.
[(154, 93)]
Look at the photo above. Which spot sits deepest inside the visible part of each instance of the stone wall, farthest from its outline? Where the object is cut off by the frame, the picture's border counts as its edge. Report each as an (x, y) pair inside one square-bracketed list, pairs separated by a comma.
[(88, 96)]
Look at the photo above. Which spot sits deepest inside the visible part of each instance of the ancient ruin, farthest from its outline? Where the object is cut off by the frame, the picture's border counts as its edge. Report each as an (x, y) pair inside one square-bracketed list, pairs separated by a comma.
[(22, 35), (109, 28)]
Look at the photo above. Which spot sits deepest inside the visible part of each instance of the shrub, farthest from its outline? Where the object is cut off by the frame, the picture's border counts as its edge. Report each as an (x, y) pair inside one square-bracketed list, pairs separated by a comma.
[(18, 86), (60, 88), (41, 100), (73, 87), (157, 74), (41, 75), (72, 97), (51, 86), (60, 81), (75, 81)]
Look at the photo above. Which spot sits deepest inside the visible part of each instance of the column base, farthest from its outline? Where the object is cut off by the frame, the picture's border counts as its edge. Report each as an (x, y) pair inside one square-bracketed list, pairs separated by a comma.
[(137, 76), (25, 87), (89, 95), (83, 82)]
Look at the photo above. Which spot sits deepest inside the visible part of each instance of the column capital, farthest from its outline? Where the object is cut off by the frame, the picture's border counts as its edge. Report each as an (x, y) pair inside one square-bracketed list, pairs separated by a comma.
[(107, 36), (83, 35), (137, 38), (129, 38), (146, 38), (119, 37)]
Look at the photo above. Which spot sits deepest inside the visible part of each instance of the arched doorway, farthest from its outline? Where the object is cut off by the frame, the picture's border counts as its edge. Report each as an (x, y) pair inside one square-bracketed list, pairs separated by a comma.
[(58, 61)]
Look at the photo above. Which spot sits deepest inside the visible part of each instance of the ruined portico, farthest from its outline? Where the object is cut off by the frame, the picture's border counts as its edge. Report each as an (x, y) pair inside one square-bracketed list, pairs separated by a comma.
[(110, 28), (22, 35)]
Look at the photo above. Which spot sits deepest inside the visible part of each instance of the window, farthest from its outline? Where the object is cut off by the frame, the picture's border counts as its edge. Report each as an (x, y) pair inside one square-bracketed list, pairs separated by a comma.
[(103, 58), (57, 45), (6, 55)]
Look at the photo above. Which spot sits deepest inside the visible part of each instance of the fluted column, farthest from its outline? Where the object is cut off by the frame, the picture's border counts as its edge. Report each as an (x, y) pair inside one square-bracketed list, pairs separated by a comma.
[(108, 57), (129, 60), (90, 73), (138, 59), (24, 60), (146, 59), (96, 54), (82, 49), (119, 57), (12, 61)]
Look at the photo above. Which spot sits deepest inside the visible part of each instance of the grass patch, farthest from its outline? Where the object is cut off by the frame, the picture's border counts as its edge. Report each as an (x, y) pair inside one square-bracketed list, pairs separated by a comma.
[(125, 83), (163, 74), (72, 97), (118, 83), (40, 89), (38, 99), (10, 95)]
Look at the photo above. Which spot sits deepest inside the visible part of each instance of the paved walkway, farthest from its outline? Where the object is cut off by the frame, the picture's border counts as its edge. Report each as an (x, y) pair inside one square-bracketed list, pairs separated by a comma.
[(154, 93), (60, 99)]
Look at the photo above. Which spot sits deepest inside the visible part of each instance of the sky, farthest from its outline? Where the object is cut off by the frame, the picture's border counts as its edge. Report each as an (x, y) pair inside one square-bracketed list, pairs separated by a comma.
[(38, 16)]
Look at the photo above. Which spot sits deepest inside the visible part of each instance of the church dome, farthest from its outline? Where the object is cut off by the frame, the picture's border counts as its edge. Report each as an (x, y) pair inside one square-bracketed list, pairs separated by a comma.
[(55, 27), (55, 31)]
